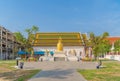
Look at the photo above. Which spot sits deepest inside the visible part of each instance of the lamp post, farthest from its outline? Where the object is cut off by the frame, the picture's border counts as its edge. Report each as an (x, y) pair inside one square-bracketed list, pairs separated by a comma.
[(17, 61)]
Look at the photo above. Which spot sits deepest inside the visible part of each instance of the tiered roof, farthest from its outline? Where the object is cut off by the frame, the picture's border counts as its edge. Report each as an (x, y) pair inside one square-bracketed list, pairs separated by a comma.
[(68, 39)]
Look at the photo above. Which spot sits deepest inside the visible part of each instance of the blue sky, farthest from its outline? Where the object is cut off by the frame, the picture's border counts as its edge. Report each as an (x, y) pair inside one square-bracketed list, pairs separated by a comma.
[(83, 16)]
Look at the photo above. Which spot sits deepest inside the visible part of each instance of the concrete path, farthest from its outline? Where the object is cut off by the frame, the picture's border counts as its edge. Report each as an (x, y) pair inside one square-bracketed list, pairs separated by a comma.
[(59, 71)]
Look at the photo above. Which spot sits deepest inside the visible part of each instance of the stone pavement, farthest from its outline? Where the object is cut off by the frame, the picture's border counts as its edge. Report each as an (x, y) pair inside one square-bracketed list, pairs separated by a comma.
[(59, 71)]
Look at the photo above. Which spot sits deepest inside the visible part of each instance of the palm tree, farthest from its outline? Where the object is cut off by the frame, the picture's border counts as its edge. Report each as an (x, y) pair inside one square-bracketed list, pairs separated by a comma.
[(98, 44), (31, 36), (21, 39), (26, 41)]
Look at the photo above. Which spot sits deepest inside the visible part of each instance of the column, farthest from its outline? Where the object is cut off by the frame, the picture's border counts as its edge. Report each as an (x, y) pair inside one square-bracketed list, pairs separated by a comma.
[(1, 43), (6, 54)]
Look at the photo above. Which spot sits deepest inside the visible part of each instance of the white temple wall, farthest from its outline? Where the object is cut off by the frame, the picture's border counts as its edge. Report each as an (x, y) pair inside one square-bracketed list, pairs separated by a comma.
[(44, 48), (113, 57), (78, 49)]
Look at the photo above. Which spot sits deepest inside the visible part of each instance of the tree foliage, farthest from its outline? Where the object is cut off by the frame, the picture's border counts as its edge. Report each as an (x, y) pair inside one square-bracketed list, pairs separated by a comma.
[(26, 42), (99, 44), (117, 46)]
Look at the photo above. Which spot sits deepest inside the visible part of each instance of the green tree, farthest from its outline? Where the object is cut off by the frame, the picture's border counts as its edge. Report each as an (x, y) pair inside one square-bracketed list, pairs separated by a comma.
[(21, 39), (26, 42), (117, 46), (98, 43), (30, 36), (104, 47)]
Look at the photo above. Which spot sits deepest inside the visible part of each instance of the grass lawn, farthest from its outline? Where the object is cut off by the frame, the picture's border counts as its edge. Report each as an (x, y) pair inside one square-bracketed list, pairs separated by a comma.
[(9, 73), (110, 73), (6, 66)]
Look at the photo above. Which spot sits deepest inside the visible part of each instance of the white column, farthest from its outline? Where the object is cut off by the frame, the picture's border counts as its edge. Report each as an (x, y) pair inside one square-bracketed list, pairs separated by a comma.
[(6, 54), (83, 52), (90, 52), (112, 48)]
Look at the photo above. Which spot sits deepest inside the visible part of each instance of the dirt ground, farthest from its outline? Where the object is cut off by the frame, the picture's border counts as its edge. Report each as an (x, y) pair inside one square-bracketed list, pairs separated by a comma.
[(13, 75), (9, 73)]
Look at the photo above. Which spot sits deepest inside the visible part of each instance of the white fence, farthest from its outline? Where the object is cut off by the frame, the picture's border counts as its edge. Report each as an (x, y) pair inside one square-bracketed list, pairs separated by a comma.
[(113, 57)]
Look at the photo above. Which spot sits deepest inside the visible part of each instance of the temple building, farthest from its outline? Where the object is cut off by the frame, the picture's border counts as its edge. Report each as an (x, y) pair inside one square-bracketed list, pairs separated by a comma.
[(114, 55), (113, 39), (70, 43)]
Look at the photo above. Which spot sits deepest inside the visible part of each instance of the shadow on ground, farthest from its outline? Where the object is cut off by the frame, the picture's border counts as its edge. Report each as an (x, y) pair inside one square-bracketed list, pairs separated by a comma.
[(8, 76), (55, 73)]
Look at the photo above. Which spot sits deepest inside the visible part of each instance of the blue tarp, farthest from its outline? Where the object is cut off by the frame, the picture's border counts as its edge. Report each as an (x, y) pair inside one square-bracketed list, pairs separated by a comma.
[(51, 52), (22, 52), (39, 52), (36, 52), (42, 52)]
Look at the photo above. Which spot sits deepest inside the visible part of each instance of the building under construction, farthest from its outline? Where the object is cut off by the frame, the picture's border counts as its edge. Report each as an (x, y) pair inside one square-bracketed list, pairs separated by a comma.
[(7, 44)]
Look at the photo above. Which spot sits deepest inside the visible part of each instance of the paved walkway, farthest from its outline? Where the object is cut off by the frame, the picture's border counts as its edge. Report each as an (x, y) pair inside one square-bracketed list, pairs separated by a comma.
[(59, 71)]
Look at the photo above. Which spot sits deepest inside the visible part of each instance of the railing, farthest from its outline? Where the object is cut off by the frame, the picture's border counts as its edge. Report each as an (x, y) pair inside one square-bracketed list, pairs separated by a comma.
[(10, 38)]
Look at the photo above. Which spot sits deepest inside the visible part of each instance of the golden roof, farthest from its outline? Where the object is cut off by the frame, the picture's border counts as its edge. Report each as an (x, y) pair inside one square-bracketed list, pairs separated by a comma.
[(68, 39)]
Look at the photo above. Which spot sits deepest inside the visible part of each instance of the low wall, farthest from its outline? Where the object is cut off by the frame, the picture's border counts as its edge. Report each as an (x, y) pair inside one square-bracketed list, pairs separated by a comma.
[(113, 57)]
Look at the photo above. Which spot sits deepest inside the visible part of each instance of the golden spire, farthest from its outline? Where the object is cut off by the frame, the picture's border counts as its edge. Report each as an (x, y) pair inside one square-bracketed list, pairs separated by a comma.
[(60, 40), (60, 45)]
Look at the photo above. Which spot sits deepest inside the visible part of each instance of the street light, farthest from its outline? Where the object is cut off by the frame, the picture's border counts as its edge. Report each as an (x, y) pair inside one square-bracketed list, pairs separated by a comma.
[(17, 60)]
